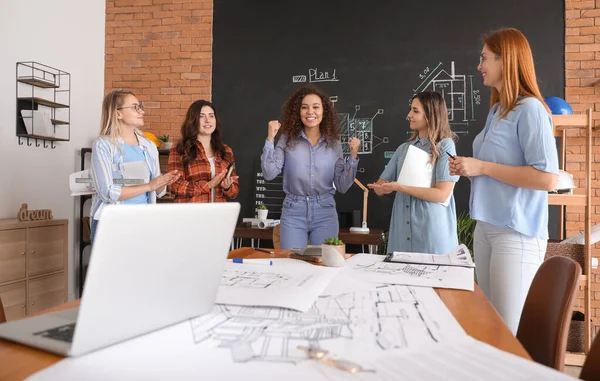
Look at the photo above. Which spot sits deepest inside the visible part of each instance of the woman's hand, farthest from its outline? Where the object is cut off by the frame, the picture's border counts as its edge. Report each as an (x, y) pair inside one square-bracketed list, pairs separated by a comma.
[(466, 166), (228, 181), (163, 180), (217, 179), (354, 144), (384, 187), (274, 126)]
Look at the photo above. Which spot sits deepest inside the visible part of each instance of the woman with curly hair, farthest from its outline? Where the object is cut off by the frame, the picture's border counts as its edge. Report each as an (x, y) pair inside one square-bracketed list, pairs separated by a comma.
[(202, 159), (309, 146)]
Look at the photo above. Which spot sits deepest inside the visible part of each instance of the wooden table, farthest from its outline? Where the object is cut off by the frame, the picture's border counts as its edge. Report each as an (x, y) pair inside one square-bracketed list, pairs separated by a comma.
[(373, 239), (472, 310)]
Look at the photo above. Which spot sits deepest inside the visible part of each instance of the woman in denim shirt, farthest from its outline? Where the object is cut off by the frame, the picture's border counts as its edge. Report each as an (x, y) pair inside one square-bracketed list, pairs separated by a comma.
[(423, 219), (513, 167), (309, 147), (120, 142)]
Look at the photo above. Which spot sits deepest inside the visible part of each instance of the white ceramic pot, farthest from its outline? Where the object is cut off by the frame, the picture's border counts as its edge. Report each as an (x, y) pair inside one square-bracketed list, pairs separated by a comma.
[(167, 145), (333, 256), (262, 214)]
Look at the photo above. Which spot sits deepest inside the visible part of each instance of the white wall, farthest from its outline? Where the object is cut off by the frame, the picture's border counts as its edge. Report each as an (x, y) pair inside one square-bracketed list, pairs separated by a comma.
[(68, 35)]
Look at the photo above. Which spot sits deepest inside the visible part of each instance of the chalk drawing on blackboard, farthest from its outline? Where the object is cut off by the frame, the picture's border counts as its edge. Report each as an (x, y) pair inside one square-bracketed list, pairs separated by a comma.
[(316, 75), (362, 129), (458, 91)]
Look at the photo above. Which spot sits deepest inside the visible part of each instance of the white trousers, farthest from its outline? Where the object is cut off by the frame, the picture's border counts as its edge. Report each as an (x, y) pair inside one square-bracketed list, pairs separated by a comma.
[(506, 262)]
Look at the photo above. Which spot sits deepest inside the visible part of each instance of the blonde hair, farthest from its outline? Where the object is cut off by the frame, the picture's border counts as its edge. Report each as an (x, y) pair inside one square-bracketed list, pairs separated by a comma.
[(436, 116), (111, 127), (518, 70)]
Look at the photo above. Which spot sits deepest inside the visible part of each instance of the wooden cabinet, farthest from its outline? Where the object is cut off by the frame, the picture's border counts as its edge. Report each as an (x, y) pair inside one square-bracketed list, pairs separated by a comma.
[(33, 265)]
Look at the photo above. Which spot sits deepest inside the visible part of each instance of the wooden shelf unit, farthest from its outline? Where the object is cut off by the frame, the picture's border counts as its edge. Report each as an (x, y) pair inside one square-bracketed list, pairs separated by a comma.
[(561, 124), (33, 265)]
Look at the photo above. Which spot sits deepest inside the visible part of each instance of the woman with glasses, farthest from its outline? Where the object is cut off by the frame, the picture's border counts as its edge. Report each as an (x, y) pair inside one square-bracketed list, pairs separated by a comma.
[(514, 165), (206, 165), (125, 167)]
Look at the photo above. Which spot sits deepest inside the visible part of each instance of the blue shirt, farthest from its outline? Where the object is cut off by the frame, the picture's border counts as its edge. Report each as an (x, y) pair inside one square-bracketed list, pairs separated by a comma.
[(309, 171), (132, 154), (417, 225), (523, 138), (107, 157)]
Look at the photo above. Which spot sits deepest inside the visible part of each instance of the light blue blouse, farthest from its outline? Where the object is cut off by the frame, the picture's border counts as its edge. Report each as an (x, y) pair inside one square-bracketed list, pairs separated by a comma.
[(107, 158), (132, 154), (309, 171), (523, 138), (417, 225)]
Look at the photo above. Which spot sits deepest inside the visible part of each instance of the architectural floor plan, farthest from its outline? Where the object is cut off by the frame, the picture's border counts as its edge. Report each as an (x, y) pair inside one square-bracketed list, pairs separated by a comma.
[(391, 317)]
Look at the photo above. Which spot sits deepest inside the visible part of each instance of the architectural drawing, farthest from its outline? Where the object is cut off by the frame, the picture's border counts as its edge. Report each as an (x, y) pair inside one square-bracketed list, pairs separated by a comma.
[(372, 268), (251, 279), (421, 271), (391, 317), (457, 89), (360, 128)]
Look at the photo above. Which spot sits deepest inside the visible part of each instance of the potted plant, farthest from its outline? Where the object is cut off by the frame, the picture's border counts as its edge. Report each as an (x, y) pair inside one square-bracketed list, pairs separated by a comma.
[(333, 252), (166, 143), (263, 212)]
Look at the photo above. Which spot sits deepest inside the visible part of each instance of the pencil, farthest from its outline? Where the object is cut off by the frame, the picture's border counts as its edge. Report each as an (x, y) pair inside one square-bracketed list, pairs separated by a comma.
[(264, 250), (448, 153)]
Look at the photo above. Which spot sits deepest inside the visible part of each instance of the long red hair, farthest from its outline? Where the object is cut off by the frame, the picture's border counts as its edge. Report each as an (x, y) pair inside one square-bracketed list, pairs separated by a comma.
[(518, 70)]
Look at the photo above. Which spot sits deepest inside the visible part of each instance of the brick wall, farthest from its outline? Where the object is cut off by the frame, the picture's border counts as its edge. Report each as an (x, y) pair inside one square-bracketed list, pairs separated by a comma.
[(582, 63), (162, 51)]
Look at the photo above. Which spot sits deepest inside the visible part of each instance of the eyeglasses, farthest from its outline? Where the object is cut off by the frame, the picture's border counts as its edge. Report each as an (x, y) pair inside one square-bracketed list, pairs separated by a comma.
[(138, 107), (316, 353)]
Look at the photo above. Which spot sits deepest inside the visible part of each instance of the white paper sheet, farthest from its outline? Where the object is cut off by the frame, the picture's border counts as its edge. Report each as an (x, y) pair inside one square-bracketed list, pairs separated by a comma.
[(38, 122), (81, 188), (416, 170), (465, 359), (288, 283), (372, 268), (459, 256), (261, 343)]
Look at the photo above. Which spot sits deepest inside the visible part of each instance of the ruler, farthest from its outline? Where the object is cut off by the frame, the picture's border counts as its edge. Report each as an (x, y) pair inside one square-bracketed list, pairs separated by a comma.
[(84, 180)]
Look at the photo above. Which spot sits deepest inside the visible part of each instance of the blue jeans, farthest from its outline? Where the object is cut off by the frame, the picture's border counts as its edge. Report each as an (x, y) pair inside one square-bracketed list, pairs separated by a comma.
[(307, 219)]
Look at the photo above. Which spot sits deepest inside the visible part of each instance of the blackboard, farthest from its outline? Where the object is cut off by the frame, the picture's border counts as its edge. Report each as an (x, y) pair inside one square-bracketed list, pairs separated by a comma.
[(371, 57)]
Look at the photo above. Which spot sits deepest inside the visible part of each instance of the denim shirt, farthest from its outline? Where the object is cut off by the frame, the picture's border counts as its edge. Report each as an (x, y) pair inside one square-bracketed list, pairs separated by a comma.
[(417, 225), (523, 138), (107, 159), (309, 171)]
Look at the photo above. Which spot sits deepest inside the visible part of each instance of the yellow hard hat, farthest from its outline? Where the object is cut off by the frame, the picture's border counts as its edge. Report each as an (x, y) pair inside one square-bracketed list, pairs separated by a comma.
[(150, 136)]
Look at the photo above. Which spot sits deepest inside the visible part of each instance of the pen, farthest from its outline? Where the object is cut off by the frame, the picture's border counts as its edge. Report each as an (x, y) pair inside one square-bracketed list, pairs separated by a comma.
[(265, 251), (448, 153), (267, 262)]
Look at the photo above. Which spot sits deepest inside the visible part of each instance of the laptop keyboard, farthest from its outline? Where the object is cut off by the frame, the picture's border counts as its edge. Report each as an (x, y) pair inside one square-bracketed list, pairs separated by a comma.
[(62, 333)]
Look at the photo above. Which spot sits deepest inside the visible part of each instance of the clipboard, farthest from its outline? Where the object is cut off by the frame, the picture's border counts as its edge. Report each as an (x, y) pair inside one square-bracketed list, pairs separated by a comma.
[(459, 257)]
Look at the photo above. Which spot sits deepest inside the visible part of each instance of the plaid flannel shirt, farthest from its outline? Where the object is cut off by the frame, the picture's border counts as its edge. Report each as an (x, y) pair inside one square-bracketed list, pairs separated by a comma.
[(193, 186)]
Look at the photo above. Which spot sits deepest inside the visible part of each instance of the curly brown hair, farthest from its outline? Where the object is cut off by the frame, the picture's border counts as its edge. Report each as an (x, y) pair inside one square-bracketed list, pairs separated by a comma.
[(186, 147), (292, 126)]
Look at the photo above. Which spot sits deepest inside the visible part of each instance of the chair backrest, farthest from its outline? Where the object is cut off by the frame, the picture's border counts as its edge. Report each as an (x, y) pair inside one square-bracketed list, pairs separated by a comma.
[(544, 325), (276, 234), (2, 315), (591, 366)]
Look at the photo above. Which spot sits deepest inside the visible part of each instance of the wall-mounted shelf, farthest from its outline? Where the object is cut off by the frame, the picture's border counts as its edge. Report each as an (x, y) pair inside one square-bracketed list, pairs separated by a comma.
[(43, 104)]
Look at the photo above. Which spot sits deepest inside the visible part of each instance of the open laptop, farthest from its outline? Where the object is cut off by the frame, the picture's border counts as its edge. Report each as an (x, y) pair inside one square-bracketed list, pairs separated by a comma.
[(151, 266)]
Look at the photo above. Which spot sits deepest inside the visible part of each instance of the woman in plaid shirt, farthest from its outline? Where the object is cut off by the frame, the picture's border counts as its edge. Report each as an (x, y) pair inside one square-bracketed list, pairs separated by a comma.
[(309, 147), (202, 159)]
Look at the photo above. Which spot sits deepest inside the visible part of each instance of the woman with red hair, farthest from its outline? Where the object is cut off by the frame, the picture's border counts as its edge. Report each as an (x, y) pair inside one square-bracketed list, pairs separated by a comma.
[(514, 165)]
